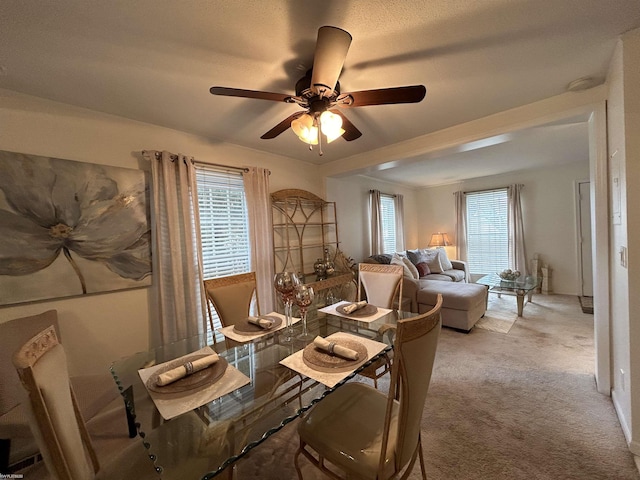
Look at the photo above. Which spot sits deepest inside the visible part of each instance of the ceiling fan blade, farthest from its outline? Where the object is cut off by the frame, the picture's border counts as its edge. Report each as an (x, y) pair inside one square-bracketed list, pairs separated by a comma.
[(383, 96), (350, 130), (239, 92), (331, 50), (281, 127)]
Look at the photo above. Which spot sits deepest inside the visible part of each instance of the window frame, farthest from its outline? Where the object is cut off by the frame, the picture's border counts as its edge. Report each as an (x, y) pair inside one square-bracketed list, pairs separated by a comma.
[(488, 244), (388, 222), (224, 227)]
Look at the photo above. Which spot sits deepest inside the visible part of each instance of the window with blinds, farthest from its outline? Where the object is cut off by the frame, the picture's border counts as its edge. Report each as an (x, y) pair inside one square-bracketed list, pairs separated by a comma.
[(487, 231), (388, 212), (224, 227)]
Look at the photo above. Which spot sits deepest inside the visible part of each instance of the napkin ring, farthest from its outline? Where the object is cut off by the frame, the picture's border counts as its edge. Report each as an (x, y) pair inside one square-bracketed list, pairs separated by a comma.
[(331, 347), (188, 366)]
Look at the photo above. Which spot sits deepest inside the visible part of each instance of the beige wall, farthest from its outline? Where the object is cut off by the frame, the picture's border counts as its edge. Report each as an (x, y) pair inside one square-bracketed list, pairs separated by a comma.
[(548, 207), (100, 328), (351, 195), (623, 114)]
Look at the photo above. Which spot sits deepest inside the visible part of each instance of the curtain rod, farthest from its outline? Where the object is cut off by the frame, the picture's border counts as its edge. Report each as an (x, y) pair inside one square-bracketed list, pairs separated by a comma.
[(158, 156), (382, 193), (229, 167), (487, 190)]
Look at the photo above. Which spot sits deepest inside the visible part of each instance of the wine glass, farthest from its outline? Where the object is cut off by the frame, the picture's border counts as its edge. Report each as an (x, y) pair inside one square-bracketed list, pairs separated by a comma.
[(304, 298), (285, 283)]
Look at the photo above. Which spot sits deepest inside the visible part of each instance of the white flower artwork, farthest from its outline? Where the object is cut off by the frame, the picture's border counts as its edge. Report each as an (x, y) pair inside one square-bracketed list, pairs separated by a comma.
[(70, 228)]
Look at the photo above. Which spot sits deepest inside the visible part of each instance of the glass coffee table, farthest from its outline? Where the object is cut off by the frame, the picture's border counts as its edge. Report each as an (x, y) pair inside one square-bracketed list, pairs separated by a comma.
[(519, 287)]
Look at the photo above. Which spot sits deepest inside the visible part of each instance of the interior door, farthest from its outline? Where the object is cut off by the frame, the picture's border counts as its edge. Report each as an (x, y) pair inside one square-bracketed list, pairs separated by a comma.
[(584, 236)]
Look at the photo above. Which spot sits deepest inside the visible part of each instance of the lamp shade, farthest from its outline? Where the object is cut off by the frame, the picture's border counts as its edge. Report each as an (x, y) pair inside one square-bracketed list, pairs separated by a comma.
[(439, 240)]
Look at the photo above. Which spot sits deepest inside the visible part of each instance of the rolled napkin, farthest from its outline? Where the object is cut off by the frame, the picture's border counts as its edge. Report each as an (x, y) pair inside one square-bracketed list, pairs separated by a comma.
[(334, 349), (261, 322), (188, 368), (354, 306)]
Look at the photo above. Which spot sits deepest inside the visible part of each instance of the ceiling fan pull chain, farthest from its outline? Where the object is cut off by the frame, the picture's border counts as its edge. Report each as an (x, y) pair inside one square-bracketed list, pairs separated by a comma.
[(319, 124)]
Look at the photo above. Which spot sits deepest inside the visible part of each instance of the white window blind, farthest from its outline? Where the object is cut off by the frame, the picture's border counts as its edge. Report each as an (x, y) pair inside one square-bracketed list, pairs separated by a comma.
[(388, 212), (224, 224), (487, 231)]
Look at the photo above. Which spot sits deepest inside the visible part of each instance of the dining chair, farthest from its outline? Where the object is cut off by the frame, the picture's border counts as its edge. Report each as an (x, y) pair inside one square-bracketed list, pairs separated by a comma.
[(231, 297), (365, 433), (382, 286), (97, 394), (63, 437), (18, 447)]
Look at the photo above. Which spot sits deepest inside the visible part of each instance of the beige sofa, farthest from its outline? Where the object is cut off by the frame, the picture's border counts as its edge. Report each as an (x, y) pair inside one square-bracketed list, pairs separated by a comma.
[(411, 286), (463, 303)]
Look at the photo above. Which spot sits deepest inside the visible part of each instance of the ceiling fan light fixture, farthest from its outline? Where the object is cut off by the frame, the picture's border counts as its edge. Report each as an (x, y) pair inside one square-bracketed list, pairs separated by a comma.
[(335, 135), (331, 124), (304, 128), (319, 91)]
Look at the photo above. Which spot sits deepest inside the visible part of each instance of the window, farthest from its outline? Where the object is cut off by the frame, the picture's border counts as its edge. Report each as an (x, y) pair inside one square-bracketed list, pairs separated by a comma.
[(388, 214), (487, 231), (224, 227)]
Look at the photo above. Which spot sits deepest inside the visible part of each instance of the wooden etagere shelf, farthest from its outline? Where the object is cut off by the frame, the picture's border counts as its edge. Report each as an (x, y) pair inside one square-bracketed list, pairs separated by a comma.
[(306, 225)]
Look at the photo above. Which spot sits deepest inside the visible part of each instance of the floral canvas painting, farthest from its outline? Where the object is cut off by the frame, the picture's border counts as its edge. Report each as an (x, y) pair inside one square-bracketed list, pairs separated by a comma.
[(70, 228)]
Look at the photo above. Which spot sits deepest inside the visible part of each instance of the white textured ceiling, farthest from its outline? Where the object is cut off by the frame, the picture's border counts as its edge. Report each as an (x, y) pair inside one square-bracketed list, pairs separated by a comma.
[(155, 60)]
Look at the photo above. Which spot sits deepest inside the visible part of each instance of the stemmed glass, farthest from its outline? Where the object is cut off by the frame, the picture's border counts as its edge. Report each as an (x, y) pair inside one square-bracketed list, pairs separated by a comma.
[(285, 283), (304, 298)]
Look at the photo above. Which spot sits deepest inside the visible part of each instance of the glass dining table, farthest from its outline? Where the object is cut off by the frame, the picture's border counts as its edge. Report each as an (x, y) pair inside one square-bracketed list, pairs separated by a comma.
[(205, 442)]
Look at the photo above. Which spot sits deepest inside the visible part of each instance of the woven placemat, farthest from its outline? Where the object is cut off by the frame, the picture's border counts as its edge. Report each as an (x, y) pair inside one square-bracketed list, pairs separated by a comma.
[(206, 376), (365, 311), (324, 362), (244, 327)]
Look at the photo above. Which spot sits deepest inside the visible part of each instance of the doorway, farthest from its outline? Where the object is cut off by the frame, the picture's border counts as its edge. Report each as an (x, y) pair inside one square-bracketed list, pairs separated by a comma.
[(585, 259)]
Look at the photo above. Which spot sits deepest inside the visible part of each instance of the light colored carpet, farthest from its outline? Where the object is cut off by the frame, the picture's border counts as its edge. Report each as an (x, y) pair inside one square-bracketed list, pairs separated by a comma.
[(501, 314), (517, 406)]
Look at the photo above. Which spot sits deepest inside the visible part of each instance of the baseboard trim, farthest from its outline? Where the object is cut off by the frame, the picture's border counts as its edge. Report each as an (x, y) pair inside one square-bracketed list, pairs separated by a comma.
[(624, 424)]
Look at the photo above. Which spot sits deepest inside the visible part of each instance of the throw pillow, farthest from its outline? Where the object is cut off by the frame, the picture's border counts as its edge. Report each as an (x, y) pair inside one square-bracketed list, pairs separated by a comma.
[(397, 260), (432, 258), (412, 268), (382, 258), (415, 256), (423, 269), (444, 260)]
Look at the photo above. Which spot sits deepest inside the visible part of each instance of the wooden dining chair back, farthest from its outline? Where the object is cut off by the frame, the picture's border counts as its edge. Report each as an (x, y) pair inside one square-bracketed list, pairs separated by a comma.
[(231, 296), (17, 444), (56, 419), (64, 440), (382, 284), (367, 434)]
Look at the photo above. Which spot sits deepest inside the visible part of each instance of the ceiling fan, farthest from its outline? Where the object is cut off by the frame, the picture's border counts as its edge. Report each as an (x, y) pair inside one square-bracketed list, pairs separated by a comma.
[(318, 93)]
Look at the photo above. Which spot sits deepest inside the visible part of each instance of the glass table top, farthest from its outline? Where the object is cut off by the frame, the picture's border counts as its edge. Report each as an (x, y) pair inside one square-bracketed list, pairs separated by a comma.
[(527, 283), (225, 429)]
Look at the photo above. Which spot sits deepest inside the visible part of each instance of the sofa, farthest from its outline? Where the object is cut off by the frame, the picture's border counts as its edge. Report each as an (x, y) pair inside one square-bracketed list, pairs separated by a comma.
[(463, 303)]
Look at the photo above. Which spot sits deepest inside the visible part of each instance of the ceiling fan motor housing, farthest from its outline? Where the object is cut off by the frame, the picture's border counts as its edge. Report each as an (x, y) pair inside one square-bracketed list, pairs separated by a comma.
[(303, 88)]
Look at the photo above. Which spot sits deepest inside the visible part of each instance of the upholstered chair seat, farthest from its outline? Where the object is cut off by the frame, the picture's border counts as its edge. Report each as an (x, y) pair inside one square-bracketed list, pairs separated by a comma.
[(360, 432)]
